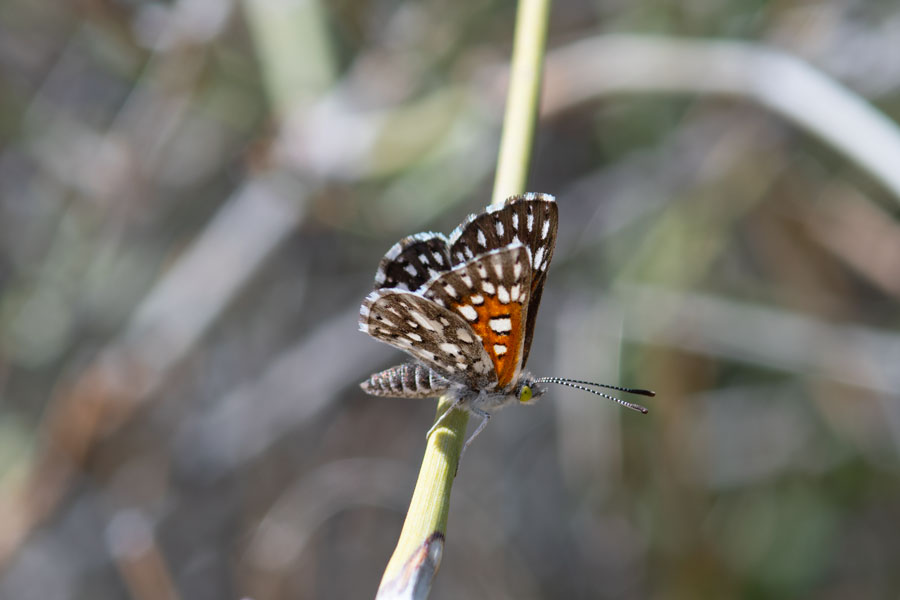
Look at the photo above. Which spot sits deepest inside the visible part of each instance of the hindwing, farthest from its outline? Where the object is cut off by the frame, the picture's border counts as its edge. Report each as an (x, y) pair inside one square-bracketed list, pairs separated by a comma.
[(438, 337)]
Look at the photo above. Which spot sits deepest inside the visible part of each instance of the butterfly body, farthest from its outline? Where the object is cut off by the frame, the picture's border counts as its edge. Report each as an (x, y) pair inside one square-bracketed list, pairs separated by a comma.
[(465, 306), (412, 380)]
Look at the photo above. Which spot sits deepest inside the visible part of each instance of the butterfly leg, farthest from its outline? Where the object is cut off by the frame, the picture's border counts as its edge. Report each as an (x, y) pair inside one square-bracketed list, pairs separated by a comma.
[(485, 417)]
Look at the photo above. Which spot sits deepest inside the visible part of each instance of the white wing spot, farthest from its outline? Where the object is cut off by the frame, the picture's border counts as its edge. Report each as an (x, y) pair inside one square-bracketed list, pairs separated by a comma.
[(514, 292), (482, 241), (380, 277), (499, 349), (451, 349), (482, 270), (414, 336), (464, 335), (410, 269), (501, 324), (503, 294), (461, 256), (488, 288), (394, 252), (477, 299), (385, 321), (438, 258), (468, 312), (423, 258), (466, 279), (517, 270), (451, 290), (545, 230), (538, 257), (499, 226), (530, 219), (515, 220), (423, 321), (469, 252), (444, 321), (412, 324)]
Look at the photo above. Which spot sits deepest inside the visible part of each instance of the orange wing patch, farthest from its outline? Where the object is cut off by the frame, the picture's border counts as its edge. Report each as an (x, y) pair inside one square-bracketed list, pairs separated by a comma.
[(492, 293), (501, 327)]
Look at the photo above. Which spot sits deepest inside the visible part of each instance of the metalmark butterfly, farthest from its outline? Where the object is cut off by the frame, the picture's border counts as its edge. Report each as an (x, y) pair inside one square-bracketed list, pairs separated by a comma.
[(465, 306)]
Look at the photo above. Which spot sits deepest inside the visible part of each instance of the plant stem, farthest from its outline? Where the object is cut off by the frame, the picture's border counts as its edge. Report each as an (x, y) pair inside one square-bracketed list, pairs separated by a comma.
[(416, 558), (522, 100)]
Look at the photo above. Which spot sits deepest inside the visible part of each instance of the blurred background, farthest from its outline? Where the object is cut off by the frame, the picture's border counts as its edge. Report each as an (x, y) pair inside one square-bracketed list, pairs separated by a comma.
[(194, 196)]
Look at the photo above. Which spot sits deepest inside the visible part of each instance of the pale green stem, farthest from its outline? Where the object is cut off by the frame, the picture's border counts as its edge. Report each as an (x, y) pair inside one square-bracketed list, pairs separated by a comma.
[(522, 100)]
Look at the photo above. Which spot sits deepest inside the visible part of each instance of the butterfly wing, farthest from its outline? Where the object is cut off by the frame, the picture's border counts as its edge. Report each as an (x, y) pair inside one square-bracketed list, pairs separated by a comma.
[(475, 321), (433, 334), (491, 292), (532, 220), (413, 261)]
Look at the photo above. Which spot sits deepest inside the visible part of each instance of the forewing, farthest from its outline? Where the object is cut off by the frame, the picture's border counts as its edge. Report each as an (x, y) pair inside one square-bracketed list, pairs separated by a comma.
[(491, 292), (413, 261), (433, 334), (531, 219)]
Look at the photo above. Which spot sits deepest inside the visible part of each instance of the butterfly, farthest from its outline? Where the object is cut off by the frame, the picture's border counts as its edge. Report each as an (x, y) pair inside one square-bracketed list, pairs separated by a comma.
[(464, 307)]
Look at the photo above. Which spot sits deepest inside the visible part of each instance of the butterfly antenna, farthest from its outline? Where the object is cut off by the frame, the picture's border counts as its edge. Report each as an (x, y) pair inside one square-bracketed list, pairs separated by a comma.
[(638, 391), (577, 384)]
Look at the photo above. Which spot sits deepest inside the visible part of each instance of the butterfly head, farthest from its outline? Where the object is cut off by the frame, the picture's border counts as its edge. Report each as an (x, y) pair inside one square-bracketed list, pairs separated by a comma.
[(529, 390)]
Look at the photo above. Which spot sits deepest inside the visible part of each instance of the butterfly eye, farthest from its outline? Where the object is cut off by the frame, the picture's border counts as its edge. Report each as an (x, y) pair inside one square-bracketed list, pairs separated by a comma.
[(525, 394)]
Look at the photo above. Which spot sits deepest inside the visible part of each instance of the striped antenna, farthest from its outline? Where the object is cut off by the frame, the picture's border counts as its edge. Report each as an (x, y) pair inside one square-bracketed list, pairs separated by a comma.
[(580, 385)]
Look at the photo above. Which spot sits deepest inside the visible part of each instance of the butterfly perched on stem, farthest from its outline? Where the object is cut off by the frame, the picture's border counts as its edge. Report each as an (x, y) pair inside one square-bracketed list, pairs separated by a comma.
[(465, 307)]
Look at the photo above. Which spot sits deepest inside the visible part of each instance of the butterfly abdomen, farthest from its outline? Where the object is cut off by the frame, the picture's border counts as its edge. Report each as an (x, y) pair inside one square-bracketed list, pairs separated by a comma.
[(406, 381)]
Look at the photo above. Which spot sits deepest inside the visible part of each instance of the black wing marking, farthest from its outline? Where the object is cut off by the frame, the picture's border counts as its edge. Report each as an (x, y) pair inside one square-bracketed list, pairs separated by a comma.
[(541, 238)]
